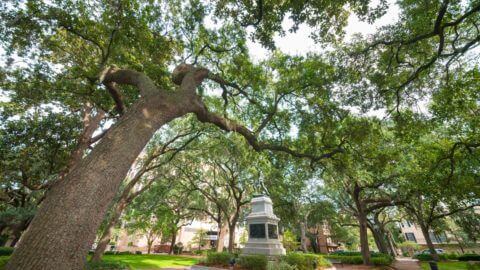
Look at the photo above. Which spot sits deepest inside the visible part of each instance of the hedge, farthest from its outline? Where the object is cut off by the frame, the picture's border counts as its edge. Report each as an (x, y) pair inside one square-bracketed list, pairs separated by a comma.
[(376, 259), (253, 262), (428, 257), (348, 259), (218, 258), (382, 260), (280, 266), (6, 251), (305, 261), (469, 257)]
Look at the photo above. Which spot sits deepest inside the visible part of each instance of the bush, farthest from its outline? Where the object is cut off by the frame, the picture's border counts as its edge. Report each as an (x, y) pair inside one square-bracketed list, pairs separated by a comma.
[(138, 252), (280, 266), (3, 261), (218, 258), (253, 262), (346, 259), (428, 257), (451, 256), (124, 253), (469, 257), (305, 261), (109, 253), (107, 266), (382, 260), (6, 251)]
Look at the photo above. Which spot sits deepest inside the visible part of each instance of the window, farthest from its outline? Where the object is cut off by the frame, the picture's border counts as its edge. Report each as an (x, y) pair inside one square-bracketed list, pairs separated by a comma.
[(438, 238), (272, 231), (410, 237), (257, 231)]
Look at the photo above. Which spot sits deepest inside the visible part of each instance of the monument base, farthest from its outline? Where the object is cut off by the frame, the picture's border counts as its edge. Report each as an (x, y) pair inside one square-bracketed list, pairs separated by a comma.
[(266, 247)]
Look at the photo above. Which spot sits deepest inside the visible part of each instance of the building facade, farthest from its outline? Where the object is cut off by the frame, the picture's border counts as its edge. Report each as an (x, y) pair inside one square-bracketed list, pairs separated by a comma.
[(133, 242)]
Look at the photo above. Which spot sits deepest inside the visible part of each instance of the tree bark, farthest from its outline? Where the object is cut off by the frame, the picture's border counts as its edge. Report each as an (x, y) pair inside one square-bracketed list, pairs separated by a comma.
[(221, 237), (231, 237), (107, 232), (431, 247), (64, 228), (303, 237), (172, 244), (362, 222)]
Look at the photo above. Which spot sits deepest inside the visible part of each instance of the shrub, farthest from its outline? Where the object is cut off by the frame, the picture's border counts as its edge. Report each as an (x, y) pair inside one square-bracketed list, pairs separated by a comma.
[(124, 253), (138, 252), (218, 258), (451, 256), (109, 253), (469, 257), (107, 266), (5, 251), (428, 257), (382, 260), (346, 259), (3, 261), (305, 261), (253, 262), (280, 266)]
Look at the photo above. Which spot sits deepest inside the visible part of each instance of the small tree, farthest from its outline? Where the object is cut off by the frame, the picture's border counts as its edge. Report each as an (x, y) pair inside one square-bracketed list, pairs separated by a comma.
[(290, 241), (409, 247), (200, 238)]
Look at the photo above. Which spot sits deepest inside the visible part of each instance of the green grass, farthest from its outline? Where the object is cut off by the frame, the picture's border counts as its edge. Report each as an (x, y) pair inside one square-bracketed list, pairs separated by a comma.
[(152, 261), (447, 266)]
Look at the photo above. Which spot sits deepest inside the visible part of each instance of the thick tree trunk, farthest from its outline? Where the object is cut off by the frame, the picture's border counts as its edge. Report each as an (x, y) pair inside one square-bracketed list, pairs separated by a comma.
[(172, 244), (362, 222), (380, 240), (65, 225), (430, 245), (107, 232), (221, 237), (303, 237), (231, 237)]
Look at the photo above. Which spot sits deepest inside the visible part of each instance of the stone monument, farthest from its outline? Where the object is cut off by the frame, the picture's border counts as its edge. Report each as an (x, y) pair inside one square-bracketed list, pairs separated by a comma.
[(262, 227)]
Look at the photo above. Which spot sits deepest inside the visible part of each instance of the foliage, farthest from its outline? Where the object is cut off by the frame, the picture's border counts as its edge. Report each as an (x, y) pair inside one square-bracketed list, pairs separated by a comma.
[(356, 258), (3, 261), (409, 246), (218, 258), (428, 257), (5, 251), (346, 259), (289, 241), (253, 262), (382, 260), (469, 257), (280, 266), (305, 261), (200, 238)]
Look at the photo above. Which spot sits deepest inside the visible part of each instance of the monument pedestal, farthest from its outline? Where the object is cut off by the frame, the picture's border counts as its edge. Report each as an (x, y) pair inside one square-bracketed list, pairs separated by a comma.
[(263, 229)]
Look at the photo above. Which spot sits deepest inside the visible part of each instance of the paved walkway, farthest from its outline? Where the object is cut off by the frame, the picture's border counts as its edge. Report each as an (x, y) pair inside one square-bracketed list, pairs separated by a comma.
[(406, 264), (399, 264)]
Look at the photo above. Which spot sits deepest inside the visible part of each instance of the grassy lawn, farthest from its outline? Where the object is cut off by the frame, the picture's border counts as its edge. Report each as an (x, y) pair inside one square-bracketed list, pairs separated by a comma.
[(152, 261), (447, 266)]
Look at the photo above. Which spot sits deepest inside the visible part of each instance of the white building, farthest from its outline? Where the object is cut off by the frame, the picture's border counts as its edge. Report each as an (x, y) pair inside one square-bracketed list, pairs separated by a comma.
[(138, 242)]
